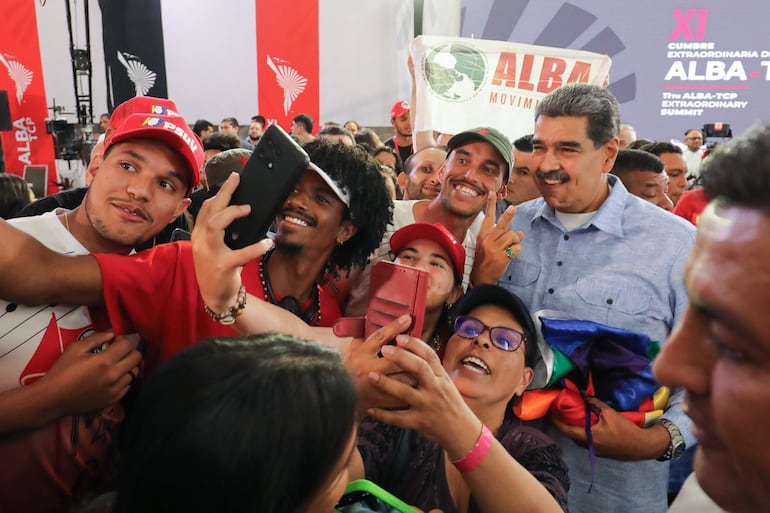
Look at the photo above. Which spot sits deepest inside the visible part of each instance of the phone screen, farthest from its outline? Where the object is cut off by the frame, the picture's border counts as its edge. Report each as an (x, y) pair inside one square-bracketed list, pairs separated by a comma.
[(364, 502)]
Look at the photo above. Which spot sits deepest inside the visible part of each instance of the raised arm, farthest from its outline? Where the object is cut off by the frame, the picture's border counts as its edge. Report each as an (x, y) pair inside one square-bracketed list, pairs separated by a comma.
[(423, 138), (438, 412), (33, 275), (218, 270), (496, 245)]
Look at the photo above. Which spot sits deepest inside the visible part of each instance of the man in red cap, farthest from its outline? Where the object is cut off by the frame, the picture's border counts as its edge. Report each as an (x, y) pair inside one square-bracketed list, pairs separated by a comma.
[(70, 199), (60, 384), (402, 130), (478, 164)]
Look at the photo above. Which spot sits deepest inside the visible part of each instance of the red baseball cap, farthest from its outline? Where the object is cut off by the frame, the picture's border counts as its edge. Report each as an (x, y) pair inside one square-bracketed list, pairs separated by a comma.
[(400, 108), (435, 232), (142, 105), (171, 130)]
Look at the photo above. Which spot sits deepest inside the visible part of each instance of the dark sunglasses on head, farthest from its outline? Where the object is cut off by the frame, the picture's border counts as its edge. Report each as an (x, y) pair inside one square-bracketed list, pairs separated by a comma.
[(507, 339)]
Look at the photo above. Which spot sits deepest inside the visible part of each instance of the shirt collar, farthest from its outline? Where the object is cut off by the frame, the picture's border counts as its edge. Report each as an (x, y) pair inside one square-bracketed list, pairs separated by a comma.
[(609, 217)]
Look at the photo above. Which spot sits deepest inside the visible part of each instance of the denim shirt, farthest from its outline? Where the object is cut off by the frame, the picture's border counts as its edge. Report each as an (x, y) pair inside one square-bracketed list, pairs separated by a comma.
[(624, 268)]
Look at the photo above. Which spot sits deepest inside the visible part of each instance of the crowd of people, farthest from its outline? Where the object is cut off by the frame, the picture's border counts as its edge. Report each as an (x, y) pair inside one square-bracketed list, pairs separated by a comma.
[(141, 373)]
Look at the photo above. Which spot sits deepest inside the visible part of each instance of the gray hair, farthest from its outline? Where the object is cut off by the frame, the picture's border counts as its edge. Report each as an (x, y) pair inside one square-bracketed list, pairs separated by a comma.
[(595, 103)]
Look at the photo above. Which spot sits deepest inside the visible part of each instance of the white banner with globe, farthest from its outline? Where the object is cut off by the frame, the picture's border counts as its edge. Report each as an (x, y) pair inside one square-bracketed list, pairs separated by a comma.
[(463, 83)]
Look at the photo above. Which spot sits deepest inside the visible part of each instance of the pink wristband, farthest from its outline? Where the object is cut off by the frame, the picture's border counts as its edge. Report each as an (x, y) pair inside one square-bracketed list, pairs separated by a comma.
[(476, 455)]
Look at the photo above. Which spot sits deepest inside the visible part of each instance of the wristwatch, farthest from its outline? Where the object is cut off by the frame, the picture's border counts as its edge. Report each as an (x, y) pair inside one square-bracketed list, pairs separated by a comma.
[(676, 447)]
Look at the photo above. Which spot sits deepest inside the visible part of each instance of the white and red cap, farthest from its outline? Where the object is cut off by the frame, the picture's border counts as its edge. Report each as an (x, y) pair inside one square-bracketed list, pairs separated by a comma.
[(170, 130), (142, 105), (400, 108)]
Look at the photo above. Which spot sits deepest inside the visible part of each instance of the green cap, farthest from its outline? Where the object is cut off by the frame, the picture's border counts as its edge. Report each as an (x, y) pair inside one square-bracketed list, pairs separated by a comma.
[(486, 134)]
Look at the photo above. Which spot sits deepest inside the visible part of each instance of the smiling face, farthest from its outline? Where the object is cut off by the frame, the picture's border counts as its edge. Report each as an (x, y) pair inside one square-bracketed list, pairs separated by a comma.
[(312, 218), (139, 187), (482, 371), (421, 180), (467, 176), (720, 353), (570, 171)]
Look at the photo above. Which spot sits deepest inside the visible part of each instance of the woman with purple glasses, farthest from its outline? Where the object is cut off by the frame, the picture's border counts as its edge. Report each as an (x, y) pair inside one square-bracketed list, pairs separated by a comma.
[(458, 447)]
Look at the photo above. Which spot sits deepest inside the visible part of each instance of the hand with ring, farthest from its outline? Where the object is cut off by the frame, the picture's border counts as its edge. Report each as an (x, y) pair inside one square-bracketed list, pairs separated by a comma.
[(496, 245)]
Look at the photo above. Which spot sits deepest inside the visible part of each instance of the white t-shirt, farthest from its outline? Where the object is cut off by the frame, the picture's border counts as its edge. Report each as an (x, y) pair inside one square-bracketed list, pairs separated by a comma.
[(692, 499), (33, 338), (693, 160), (403, 214)]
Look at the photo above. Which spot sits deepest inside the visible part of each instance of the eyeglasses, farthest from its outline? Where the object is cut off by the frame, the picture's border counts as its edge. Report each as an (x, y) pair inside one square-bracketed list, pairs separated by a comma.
[(507, 339)]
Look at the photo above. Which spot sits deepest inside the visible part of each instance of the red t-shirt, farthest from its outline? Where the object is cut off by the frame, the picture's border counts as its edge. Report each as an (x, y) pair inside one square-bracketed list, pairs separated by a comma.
[(155, 294), (691, 205)]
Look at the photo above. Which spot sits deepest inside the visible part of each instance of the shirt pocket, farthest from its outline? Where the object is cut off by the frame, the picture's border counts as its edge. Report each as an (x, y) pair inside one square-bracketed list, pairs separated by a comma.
[(522, 274), (620, 295)]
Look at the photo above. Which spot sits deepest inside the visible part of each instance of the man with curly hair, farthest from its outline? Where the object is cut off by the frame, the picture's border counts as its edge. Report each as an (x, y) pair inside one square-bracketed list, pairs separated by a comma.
[(332, 221)]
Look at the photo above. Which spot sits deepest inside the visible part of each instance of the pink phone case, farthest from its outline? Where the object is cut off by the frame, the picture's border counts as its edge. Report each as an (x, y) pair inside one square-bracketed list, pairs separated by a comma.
[(394, 290)]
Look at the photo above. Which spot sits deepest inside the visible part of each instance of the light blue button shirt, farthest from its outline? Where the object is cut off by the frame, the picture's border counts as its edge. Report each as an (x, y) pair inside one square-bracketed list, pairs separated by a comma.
[(623, 268)]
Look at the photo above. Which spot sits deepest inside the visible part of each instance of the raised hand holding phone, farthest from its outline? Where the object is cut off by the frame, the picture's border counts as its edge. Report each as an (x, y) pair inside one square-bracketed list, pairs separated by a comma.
[(217, 267), (267, 179)]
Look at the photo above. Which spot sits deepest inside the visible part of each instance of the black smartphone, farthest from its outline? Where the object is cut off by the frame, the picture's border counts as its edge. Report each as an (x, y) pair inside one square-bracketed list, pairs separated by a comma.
[(363, 496), (180, 234), (267, 179)]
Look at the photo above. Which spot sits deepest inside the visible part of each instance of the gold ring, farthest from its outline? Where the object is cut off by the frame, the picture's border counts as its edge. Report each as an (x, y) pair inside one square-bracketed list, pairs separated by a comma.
[(509, 252)]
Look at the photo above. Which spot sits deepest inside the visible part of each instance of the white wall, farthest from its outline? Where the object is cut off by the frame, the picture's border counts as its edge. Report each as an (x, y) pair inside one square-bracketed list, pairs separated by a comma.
[(210, 49)]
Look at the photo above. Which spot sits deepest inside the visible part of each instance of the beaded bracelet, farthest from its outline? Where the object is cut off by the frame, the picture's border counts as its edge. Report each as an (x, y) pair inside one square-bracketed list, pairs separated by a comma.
[(228, 316), (476, 455)]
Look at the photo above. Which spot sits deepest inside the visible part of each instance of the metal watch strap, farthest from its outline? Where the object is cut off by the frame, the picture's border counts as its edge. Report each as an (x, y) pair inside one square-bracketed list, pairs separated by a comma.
[(228, 316), (676, 446)]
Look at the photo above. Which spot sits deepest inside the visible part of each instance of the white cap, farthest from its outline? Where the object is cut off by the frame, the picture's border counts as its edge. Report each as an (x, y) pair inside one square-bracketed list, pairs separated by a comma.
[(339, 191)]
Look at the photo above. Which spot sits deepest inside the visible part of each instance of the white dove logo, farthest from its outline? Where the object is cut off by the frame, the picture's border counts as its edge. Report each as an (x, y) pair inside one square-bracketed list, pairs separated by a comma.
[(292, 83), (142, 76), (20, 75)]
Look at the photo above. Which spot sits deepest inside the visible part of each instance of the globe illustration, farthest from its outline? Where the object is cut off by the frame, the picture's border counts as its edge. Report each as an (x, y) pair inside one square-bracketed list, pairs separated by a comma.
[(455, 72)]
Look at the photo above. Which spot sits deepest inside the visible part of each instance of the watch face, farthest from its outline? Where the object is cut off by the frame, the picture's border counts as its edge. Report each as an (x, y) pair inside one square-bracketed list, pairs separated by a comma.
[(678, 451)]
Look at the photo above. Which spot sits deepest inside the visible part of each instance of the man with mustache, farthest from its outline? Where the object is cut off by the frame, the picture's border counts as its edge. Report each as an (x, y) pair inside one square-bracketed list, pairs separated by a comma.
[(720, 352), (472, 177), (595, 251)]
